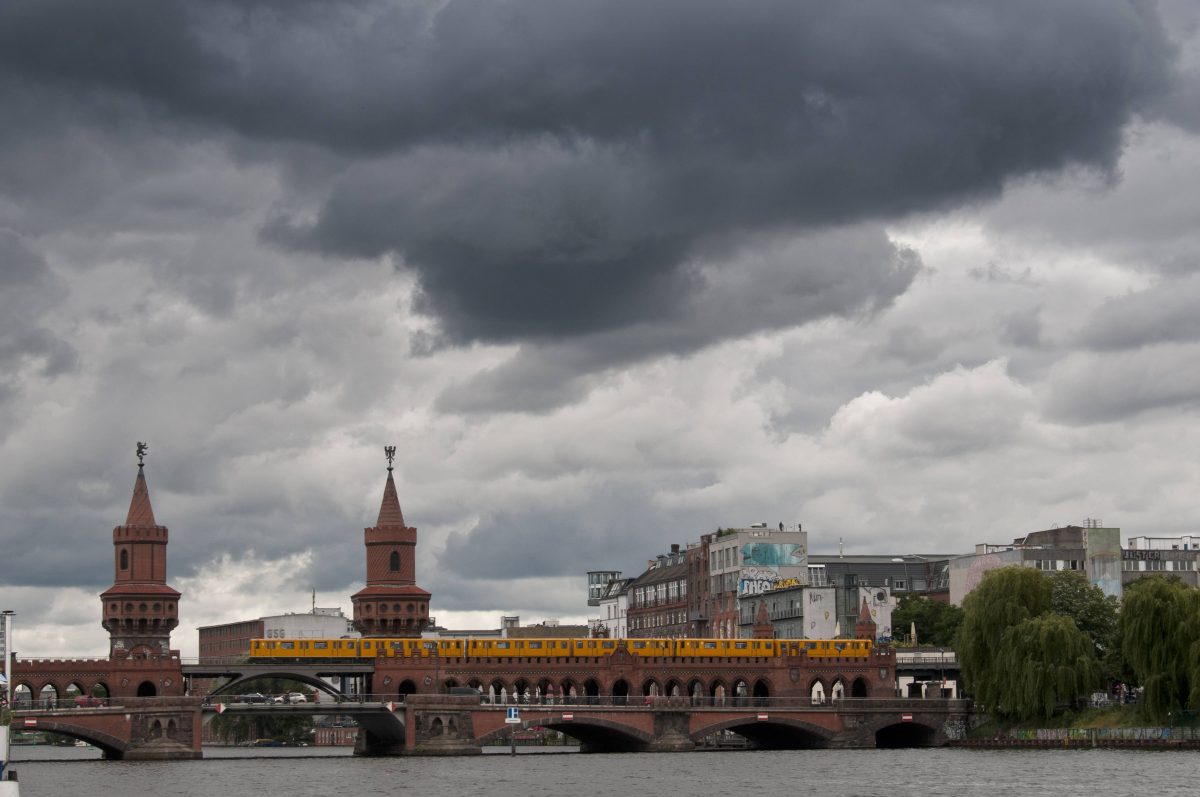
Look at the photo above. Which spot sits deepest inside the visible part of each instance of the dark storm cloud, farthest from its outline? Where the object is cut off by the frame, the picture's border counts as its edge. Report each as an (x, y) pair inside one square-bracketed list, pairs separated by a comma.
[(553, 168)]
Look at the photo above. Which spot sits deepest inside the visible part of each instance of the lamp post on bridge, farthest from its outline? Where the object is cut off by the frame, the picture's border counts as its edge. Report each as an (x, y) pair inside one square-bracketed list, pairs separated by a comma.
[(8, 656)]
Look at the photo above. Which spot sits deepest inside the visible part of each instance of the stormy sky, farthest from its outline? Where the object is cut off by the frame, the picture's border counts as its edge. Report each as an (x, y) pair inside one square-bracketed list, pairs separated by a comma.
[(608, 274)]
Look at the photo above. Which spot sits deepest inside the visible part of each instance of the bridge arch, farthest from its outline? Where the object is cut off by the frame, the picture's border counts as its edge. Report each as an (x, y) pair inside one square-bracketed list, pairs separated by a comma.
[(859, 687), (22, 695), (48, 696), (673, 688), (762, 689), (905, 734), (110, 745), (782, 733), (147, 689), (620, 691), (696, 691), (595, 734), (591, 690), (650, 688), (817, 692), (406, 687), (237, 684)]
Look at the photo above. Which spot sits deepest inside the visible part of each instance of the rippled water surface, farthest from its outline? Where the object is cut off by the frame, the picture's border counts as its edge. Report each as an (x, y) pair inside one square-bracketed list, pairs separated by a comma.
[(324, 772)]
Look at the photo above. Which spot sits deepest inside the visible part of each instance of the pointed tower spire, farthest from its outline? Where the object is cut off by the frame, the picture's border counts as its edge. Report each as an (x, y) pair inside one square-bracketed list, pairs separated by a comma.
[(866, 627), (389, 510), (141, 513)]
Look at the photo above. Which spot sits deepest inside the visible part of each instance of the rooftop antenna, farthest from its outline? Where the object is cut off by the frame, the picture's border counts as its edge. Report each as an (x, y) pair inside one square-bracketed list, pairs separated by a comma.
[(841, 555), (314, 600)]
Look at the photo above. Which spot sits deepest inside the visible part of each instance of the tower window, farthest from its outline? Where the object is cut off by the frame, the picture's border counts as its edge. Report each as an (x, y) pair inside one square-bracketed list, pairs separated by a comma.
[(394, 561), (124, 559)]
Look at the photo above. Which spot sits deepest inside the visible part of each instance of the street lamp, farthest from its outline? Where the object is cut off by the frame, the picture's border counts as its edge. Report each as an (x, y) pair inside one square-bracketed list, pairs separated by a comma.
[(8, 656)]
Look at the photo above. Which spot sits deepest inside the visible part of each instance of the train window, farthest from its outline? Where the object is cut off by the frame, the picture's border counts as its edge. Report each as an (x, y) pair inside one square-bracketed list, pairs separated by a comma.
[(639, 645), (739, 645), (535, 645), (430, 645), (502, 645), (322, 645), (710, 645), (608, 645), (287, 645)]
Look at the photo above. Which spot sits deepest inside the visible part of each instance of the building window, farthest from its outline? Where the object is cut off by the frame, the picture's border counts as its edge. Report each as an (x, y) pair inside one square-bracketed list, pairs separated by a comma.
[(124, 559), (394, 561)]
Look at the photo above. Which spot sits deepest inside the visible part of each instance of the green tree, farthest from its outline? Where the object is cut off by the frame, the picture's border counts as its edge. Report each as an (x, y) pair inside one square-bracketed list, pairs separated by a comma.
[(936, 622), (1005, 598), (1160, 642), (1072, 595), (1045, 662)]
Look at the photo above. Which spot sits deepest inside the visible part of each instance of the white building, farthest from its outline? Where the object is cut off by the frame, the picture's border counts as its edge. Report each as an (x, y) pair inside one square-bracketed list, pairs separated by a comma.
[(318, 624)]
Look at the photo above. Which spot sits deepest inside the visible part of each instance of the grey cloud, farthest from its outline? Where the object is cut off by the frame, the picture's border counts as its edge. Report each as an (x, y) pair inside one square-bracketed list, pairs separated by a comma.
[(1165, 313), (552, 168), (1114, 387), (765, 284)]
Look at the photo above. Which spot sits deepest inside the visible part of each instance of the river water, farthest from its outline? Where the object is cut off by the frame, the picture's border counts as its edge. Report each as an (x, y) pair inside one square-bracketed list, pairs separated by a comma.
[(322, 772)]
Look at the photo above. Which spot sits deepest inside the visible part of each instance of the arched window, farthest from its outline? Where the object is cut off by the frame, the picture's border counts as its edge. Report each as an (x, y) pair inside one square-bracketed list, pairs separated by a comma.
[(394, 561), (124, 559)]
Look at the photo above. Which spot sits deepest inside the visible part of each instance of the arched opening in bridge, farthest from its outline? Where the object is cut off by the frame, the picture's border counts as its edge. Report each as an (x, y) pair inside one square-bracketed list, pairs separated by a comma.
[(838, 691), (147, 689), (696, 691), (476, 684), (761, 692), (172, 729), (591, 688), (673, 688), (521, 691), (650, 688), (544, 691), (620, 692), (905, 734), (568, 691), (498, 692), (449, 683), (72, 691), (771, 735), (817, 692), (406, 687), (22, 696), (717, 693), (741, 692), (100, 689), (858, 688), (48, 697), (435, 727)]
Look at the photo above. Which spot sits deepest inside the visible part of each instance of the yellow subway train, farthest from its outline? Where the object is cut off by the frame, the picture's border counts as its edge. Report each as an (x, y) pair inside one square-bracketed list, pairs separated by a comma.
[(492, 648)]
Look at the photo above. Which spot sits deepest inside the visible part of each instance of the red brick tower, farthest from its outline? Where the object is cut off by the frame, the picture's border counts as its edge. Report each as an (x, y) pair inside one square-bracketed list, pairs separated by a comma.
[(391, 604), (865, 628), (139, 609)]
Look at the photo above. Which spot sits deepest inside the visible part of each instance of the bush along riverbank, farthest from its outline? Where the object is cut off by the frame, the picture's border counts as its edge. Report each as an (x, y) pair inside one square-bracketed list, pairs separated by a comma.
[(1122, 727)]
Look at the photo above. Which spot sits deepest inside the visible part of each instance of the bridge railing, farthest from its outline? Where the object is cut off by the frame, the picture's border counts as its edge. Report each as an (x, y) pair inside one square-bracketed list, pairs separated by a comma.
[(83, 703)]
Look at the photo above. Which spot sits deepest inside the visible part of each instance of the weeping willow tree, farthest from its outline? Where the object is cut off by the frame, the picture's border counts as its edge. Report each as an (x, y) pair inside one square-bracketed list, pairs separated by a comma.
[(1160, 639), (1005, 598), (1045, 662)]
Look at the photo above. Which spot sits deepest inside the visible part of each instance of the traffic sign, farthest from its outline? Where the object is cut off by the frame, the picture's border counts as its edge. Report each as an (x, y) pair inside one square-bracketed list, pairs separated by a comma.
[(219, 708), (514, 716)]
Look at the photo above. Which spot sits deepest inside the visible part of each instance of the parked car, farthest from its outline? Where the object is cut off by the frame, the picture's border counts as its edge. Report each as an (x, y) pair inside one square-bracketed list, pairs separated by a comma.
[(296, 697), (87, 701), (252, 697), (278, 699)]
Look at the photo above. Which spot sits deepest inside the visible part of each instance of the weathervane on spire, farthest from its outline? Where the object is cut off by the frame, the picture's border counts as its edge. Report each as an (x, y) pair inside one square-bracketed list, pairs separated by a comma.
[(390, 453), (142, 448)]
